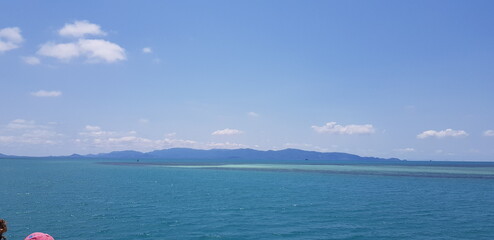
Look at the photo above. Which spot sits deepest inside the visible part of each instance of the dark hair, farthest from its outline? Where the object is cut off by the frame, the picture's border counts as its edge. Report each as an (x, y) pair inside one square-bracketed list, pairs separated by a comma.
[(3, 228)]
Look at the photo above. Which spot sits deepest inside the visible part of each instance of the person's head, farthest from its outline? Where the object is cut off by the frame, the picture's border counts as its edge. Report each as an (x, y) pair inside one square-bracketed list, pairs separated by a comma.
[(39, 236), (3, 226)]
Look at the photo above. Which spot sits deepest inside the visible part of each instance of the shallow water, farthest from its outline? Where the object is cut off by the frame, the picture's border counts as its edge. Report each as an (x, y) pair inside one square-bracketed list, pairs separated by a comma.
[(84, 200), (432, 171)]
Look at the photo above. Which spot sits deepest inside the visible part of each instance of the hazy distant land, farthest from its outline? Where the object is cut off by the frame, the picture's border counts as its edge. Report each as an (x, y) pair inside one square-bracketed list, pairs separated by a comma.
[(229, 154)]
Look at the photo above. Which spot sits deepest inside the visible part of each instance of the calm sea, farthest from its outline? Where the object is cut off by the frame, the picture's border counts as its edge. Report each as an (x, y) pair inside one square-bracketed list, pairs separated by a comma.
[(80, 200)]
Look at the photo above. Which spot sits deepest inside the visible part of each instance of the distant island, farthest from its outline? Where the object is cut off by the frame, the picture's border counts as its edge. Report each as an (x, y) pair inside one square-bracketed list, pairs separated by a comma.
[(226, 154)]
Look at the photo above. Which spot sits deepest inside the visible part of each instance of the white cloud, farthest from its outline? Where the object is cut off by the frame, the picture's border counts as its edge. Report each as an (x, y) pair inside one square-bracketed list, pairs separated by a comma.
[(489, 133), (7, 139), (172, 142), (95, 50), (98, 49), (405, 149), (129, 139), (443, 133), (227, 131), (6, 46), (20, 124), (39, 137), (309, 147), (28, 132), (95, 137), (12, 34), (92, 128), (61, 51), (171, 135), (226, 145), (253, 114), (31, 60), (333, 128), (43, 93), (95, 131), (10, 38), (147, 50), (143, 121), (80, 29)]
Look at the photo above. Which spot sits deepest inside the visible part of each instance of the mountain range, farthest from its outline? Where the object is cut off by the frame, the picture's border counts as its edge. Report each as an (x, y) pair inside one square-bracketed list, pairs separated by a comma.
[(227, 154)]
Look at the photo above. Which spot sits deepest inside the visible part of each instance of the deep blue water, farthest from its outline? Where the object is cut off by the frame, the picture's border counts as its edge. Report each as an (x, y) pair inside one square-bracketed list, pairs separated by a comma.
[(85, 200)]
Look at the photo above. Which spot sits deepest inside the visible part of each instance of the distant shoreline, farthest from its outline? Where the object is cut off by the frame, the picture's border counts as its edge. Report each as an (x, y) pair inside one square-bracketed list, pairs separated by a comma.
[(226, 154), (238, 155)]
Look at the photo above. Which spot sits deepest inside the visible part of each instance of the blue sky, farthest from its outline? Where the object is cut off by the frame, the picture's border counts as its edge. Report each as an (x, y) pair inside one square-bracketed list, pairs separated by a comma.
[(407, 79)]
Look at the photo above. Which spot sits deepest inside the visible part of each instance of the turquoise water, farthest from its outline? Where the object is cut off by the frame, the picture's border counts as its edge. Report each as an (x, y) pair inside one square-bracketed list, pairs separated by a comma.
[(381, 169), (85, 200)]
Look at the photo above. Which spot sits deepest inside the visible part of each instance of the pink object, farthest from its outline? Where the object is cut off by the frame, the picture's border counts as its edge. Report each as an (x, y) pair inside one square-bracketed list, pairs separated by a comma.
[(39, 236)]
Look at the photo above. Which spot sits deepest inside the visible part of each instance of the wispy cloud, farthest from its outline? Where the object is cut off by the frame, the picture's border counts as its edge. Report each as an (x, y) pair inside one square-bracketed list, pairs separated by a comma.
[(489, 133), (20, 131), (43, 93), (94, 138), (225, 145), (227, 131), (31, 60), (404, 150), (95, 131), (21, 124), (147, 50), (253, 114), (10, 38), (97, 138), (80, 29), (352, 129), (143, 121), (91, 128), (442, 134), (171, 135)]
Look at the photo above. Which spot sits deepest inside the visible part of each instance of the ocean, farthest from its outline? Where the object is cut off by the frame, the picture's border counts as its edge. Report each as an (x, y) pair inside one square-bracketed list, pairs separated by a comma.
[(93, 199)]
